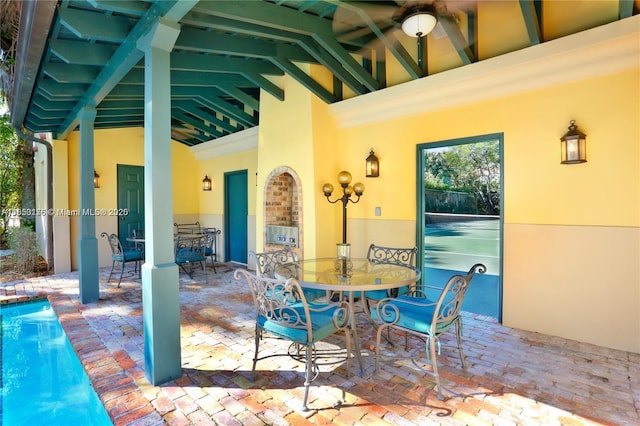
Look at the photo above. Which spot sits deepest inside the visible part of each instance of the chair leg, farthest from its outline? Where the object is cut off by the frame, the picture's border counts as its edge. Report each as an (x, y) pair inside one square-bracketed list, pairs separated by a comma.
[(113, 265), (307, 377), (121, 272), (434, 364), (458, 337), (378, 336), (255, 356)]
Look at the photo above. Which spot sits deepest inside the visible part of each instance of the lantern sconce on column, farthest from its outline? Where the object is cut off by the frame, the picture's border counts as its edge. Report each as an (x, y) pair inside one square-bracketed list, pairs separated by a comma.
[(96, 179), (573, 146), (373, 165), (206, 183)]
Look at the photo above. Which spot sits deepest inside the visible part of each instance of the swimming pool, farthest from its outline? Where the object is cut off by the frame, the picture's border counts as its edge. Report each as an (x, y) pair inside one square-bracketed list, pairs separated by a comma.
[(43, 381)]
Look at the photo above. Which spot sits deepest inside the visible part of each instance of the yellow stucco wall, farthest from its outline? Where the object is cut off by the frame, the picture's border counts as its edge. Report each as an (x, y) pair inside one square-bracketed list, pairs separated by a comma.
[(571, 233), (125, 146), (286, 140)]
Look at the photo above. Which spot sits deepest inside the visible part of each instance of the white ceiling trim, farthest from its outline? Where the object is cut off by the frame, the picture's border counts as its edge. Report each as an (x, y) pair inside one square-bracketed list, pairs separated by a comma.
[(230, 144), (599, 51)]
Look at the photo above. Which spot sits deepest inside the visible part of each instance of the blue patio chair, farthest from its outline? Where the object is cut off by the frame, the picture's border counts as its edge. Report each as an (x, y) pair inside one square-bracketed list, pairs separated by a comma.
[(427, 319), (190, 250), (120, 255), (211, 246), (396, 256), (282, 310), (393, 255), (266, 263)]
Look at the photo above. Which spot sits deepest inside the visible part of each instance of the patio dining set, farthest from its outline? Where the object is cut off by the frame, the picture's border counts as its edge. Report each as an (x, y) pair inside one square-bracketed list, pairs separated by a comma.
[(193, 244), (303, 302)]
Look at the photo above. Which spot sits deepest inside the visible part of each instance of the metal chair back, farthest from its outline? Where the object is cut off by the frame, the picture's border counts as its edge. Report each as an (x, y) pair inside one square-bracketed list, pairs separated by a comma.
[(266, 262), (395, 255)]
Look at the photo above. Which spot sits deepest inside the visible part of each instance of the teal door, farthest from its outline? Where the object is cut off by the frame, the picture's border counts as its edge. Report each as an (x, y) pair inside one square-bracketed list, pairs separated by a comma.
[(235, 216), (130, 199), (460, 217)]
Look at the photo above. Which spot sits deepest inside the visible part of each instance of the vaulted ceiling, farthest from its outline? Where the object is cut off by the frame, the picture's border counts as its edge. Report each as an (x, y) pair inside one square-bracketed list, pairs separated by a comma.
[(228, 53)]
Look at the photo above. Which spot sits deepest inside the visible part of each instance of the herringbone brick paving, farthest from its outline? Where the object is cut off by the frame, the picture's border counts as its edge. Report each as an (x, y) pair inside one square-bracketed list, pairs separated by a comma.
[(513, 377)]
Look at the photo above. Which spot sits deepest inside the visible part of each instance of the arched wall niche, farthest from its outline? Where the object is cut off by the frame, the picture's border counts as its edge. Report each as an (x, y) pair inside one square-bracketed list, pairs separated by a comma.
[(283, 208)]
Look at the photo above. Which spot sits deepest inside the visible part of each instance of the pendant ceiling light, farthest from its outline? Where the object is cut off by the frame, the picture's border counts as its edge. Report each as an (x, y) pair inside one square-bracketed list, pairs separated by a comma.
[(419, 21)]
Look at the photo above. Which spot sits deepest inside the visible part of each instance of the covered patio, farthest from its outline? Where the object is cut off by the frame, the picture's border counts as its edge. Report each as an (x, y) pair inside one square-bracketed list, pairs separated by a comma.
[(513, 376)]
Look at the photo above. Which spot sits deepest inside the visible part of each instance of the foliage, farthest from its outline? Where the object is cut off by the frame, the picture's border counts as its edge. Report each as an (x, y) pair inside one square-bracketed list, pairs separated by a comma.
[(10, 173), (24, 243), (470, 168)]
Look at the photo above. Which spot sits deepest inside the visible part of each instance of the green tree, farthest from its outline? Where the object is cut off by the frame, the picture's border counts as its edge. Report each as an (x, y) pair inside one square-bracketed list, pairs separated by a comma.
[(10, 174), (470, 168)]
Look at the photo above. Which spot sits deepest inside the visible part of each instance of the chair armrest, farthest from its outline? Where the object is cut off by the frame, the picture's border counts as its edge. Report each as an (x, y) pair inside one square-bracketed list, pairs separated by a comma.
[(341, 314), (388, 310)]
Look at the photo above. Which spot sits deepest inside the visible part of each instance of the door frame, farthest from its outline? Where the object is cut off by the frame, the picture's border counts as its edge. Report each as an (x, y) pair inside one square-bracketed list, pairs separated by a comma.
[(420, 188)]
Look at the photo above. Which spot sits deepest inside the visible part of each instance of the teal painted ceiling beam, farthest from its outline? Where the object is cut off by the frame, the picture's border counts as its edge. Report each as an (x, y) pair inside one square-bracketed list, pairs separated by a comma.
[(531, 21), (45, 113), (457, 39), (188, 112), (242, 96), (212, 98), (86, 24), (191, 108), (183, 61), (76, 74), (196, 40), (61, 91), (307, 81), (51, 105), (82, 53), (120, 104), (136, 8), (285, 24), (126, 56)]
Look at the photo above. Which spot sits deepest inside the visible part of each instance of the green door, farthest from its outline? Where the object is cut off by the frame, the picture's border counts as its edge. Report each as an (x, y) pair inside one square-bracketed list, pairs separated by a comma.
[(131, 198), (235, 216)]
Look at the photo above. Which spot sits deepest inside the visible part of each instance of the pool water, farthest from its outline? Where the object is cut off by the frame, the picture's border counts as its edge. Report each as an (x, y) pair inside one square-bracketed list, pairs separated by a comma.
[(43, 381)]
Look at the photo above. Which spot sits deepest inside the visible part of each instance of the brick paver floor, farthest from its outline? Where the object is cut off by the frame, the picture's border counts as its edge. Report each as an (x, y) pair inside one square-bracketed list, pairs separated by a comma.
[(513, 376)]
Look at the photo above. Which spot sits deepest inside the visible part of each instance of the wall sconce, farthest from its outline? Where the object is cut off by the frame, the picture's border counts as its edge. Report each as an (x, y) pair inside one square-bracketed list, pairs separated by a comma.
[(96, 179), (373, 165), (206, 183), (573, 146)]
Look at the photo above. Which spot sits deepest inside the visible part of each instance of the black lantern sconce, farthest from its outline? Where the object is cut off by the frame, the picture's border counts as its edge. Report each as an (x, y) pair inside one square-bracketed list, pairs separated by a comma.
[(573, 146), (96, 179), (373, 165), (206, 183)]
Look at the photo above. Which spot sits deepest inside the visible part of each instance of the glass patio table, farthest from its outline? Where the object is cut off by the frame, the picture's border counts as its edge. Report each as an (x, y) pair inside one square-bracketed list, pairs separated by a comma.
[(352, 275)]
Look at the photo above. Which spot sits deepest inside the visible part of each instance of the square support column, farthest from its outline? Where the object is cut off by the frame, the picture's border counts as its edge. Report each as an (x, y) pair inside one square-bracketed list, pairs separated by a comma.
[(160, 286), (88, 243)]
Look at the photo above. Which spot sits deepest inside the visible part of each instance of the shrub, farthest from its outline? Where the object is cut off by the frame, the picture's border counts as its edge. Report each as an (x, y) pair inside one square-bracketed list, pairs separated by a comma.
[(24, 243)]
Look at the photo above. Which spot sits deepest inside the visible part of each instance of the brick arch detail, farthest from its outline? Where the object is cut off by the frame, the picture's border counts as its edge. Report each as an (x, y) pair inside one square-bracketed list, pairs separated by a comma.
[(282, 205)]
